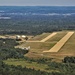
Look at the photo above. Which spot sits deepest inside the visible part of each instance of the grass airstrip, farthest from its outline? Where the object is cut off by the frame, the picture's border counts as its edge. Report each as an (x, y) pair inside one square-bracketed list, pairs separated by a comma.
[(56, 45), (42, 45)]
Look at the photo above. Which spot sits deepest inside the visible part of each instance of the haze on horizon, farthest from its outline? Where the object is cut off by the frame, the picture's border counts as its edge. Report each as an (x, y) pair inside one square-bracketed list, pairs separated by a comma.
[(37, 2)]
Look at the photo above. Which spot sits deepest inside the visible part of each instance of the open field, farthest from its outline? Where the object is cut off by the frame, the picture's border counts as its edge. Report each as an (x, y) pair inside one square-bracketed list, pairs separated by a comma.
[(57, 37), (60, 43), (37, 48), (44, 39), (39, 37), (8, 36), (27, 64), (69, 47), (31, 64), (67, 50), (36, 52), (48, 37), (37, 45)]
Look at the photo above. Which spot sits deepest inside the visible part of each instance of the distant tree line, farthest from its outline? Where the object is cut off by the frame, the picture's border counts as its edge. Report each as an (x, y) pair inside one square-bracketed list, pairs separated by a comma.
[(33, 25)]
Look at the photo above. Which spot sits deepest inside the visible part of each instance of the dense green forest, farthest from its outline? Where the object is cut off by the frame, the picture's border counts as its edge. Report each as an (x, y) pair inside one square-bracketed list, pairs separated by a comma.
[(34, 25), (7, 49)]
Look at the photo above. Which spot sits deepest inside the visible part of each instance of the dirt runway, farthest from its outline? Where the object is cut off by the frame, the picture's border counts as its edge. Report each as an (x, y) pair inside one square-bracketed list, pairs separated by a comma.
[(60, 44)]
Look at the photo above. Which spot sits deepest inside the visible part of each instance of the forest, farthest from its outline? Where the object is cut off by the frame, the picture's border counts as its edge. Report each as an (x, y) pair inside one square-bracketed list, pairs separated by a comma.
[(37, 25), (36, 19)]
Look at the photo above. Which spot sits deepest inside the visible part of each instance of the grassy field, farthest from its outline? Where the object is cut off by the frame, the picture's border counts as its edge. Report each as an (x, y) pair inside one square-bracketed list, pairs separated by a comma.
[(48, 37), (38, 45), (60, 43), (27, 64), (69, 47), (37, 48), (67, 50), (39, 37), (57, 37)]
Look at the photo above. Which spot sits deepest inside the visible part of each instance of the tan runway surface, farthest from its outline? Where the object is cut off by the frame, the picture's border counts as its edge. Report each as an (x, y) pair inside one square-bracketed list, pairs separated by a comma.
[(50, 36), (60, 44)]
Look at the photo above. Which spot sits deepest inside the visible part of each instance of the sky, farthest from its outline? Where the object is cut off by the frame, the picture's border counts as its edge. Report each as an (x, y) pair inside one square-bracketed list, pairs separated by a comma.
[(37, 2)]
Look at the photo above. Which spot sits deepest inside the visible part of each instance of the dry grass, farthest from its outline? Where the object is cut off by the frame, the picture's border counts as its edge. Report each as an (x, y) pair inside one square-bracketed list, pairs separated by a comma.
[(27, 64), (37, 45), (61, 43), (57, 37), (69, 47), (37, 48), (48, 37), (39, 37), (67, 50)]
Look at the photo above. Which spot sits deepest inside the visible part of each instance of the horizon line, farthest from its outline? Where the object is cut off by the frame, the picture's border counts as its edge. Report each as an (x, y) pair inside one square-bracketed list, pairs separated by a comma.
[(42, 5)]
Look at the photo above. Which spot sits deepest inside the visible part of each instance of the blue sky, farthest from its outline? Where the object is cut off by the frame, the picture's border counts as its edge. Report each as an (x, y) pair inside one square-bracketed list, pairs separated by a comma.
[(37, 2)]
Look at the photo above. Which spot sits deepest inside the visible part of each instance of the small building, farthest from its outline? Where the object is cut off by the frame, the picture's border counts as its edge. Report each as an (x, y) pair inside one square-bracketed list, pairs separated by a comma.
[(18, 38), (25, 48), (23, 36)]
